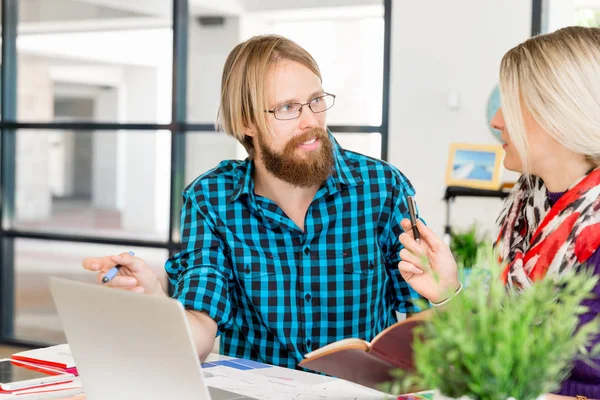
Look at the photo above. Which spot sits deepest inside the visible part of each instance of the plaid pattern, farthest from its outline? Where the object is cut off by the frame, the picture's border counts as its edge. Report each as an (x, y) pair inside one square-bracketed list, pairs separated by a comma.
[(276, 292)]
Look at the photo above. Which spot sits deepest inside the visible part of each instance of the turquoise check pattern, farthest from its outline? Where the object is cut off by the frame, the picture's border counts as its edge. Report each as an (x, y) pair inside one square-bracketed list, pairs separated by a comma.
[(277, 292)]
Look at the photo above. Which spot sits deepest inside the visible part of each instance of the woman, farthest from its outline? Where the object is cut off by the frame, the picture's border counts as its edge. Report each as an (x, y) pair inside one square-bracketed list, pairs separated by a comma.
[(550, 125)]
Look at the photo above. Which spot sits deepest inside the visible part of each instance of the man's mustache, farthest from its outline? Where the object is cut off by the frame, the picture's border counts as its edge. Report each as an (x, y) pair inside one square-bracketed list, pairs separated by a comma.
[(317, 133)]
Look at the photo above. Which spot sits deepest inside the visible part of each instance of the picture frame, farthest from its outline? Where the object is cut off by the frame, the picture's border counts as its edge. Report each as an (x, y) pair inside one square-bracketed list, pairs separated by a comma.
[(474, 165)]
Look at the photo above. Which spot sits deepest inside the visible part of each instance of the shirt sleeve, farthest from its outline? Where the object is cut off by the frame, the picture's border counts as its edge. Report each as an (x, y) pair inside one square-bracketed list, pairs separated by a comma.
[(201, 272), (585, 379), (405, 297)]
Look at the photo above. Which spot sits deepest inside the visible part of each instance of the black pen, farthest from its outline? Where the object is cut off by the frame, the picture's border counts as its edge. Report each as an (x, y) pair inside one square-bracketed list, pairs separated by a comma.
[(412, 212)]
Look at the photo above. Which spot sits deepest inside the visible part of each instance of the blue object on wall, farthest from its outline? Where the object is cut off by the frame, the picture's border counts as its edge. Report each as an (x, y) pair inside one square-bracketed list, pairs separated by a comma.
[(492, 107)]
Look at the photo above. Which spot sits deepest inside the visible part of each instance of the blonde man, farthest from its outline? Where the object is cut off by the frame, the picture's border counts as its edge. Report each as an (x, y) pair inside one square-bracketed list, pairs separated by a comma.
[(296, 246), (550, 123)]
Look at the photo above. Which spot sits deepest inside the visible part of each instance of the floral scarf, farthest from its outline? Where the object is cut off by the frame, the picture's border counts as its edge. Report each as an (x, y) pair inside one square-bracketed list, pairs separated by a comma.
[(536, 239)]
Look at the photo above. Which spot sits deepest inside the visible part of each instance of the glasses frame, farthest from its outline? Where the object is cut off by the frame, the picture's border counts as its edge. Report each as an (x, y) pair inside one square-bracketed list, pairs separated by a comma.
[(325, 94)]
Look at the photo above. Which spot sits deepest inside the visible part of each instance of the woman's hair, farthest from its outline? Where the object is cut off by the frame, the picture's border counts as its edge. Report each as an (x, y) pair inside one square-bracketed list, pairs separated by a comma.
[(556, 77), (243, 95)]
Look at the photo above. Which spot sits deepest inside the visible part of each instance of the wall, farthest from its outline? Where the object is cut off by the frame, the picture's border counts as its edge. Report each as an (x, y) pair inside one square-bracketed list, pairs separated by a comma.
[(560, 13), (33, 200), (104, 168), (143, 157), (208, 49), (439, 46)]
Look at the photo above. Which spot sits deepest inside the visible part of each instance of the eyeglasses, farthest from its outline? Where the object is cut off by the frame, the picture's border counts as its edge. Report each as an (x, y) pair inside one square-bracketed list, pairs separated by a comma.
[(294, 110)]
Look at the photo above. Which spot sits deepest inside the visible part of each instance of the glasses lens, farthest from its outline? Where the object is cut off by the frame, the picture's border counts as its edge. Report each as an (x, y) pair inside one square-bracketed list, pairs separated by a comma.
[(288, 111), (322, 103)]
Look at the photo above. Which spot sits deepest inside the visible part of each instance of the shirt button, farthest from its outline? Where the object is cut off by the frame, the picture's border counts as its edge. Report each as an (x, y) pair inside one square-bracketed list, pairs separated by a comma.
[(307, 297), (247, 270), (306, 251), (308, 342)]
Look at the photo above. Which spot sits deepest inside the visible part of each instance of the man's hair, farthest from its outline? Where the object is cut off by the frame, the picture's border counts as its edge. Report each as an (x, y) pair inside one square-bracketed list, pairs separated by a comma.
[(243, 95), (556, 77)]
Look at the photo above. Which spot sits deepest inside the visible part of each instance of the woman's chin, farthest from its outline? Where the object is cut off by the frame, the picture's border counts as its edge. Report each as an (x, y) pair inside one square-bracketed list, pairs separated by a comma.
[(510, 165)]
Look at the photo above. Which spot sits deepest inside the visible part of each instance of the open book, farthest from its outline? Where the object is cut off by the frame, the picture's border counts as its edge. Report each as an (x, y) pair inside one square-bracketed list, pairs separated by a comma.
[(367, 363)]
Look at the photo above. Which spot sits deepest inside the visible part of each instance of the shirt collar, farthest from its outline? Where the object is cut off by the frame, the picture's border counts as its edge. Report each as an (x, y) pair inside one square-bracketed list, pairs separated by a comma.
[(344, 173), (245, 182)]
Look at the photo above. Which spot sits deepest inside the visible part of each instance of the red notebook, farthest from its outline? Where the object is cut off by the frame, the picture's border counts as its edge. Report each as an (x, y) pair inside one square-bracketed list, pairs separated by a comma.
[(58, 357)]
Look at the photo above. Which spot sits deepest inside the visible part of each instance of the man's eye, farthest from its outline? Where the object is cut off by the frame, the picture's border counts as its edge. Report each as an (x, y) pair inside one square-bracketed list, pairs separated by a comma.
[(317, 100), (286, 107)]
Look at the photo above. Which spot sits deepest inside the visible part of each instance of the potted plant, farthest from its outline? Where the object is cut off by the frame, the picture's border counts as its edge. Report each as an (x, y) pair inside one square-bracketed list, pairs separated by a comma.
[(492, 344), (465, 245)]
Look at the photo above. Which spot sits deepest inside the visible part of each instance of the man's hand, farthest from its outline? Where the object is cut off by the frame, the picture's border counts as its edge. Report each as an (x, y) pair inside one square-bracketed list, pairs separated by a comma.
[(428, 266), (134, 274)]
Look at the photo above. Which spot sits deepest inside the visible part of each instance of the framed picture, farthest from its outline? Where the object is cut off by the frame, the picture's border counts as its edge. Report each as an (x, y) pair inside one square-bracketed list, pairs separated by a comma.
[(475, 166)]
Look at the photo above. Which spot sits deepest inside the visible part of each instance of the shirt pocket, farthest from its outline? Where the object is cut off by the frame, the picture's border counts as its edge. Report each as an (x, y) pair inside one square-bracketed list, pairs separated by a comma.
[(365, 260), (253, 265)]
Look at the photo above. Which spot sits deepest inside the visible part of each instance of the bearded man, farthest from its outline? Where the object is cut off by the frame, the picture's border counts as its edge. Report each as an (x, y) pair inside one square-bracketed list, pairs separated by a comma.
[(296, 246)]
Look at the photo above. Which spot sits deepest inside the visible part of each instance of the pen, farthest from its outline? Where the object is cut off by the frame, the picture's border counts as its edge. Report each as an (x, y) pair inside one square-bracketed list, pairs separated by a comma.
[(113, 271), (412, 212)]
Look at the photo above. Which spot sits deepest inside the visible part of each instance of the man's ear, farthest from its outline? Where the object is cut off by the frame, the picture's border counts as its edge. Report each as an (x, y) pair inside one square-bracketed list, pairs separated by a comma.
[(250, 131)]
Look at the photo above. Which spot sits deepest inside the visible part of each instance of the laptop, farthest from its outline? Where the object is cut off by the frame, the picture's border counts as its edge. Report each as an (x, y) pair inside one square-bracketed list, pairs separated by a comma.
[(131, 346)]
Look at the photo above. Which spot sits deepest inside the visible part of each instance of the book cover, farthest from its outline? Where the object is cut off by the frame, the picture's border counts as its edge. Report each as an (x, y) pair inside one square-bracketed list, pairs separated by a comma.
[(58, 357), (365, 363)]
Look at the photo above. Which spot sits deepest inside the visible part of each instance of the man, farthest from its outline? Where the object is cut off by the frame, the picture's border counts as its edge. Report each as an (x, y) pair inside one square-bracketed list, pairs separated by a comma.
[(295, 247)]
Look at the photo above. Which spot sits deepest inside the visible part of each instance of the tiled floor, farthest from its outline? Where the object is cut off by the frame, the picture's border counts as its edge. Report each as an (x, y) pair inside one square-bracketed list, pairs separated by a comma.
[(36, 319)]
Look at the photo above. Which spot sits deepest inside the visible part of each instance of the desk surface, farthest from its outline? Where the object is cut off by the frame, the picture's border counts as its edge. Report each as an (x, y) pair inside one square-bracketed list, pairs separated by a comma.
[(263, 382)]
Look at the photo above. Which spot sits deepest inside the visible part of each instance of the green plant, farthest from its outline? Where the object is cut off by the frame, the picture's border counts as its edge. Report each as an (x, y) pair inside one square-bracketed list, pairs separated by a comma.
[(465, 245), (491, 344)]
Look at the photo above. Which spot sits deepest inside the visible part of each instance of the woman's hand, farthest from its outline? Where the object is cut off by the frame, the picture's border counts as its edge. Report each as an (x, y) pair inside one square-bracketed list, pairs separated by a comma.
[(428, 266)]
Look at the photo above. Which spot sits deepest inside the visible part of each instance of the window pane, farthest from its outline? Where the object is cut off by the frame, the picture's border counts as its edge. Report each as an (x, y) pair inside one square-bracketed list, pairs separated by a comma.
[(208, 47), (97, 183), (96, 11), (204, 151), (35, 317), (114, 54), (346, 42), (557, 14), (368, 144)]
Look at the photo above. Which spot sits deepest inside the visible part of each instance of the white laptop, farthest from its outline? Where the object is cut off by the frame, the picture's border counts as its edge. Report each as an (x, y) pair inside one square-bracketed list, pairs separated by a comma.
[(131, 346)]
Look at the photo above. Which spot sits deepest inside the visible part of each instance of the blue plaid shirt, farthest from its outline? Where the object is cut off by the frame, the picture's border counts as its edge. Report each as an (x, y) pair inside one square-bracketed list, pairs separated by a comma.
[(276, 292)]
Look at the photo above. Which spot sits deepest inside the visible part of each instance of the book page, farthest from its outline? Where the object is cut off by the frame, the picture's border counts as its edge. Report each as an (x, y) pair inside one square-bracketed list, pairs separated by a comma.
[(394, 344), (349, 342)]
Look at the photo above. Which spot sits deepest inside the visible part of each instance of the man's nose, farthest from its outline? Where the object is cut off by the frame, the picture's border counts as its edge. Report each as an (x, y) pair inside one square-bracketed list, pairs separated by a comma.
[(308, 118)]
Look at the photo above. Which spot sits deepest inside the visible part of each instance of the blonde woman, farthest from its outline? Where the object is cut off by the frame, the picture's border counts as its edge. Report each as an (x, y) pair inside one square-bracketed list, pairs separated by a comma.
[(550, 124)]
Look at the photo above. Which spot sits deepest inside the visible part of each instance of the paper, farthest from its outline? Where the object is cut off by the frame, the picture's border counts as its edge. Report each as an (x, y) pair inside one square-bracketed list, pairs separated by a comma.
[(266, 382), (71, 394), (75, 384), (72, 391)]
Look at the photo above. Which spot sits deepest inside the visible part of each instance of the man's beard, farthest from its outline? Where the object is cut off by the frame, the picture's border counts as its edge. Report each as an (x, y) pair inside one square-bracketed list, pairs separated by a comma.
[(312, 169)]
